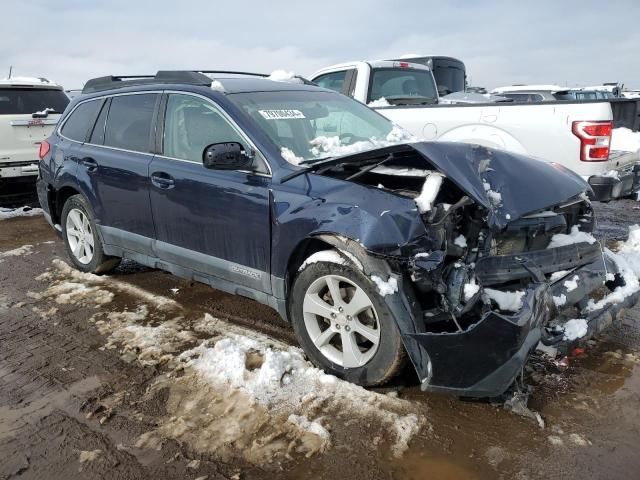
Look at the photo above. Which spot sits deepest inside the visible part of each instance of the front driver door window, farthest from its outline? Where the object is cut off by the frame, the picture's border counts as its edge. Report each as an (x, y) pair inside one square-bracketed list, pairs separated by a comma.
[(215, 222)]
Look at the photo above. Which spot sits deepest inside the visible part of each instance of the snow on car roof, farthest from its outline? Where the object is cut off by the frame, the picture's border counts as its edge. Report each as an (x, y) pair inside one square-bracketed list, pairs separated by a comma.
[(28, 81)]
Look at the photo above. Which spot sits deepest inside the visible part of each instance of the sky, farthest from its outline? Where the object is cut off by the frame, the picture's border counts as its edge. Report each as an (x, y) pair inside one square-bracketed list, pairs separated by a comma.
[(570, 43)]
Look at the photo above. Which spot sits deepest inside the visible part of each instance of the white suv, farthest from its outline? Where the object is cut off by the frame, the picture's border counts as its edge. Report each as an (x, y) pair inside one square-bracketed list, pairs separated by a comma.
[(29, 110)]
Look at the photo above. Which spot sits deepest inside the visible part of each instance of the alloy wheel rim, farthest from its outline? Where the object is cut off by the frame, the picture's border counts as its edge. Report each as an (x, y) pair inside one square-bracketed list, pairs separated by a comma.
[(341, 321), (80, 236)]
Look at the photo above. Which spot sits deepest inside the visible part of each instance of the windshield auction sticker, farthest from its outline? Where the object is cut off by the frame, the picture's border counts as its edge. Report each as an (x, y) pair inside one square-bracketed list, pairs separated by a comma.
[(281, 114)]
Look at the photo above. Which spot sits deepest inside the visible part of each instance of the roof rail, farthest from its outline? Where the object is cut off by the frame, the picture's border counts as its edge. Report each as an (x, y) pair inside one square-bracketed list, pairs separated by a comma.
[(163, 76), (191, 77)]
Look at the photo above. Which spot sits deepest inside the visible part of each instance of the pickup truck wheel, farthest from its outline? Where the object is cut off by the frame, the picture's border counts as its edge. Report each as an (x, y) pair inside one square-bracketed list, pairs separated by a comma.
[(343, 324), (81, 239)]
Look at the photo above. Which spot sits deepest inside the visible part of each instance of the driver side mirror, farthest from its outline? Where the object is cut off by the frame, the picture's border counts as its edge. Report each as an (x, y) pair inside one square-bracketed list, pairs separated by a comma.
[(226, 156)]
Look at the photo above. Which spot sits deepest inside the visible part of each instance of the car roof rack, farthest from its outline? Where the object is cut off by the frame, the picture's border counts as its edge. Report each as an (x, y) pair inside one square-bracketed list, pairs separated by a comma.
[(190, 77)]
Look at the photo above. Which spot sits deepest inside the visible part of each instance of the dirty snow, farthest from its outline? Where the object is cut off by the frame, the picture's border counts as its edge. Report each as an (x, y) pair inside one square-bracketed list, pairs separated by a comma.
[(430, 190), (575, 236), (88, 455), (575, 328), (380, 102), (331, 256), (507, 301), (6, 213), (624, 139), (470, 289), (290, 157), (18, 252), (385, 288), (284, 76), (627, 259), (460, 241)]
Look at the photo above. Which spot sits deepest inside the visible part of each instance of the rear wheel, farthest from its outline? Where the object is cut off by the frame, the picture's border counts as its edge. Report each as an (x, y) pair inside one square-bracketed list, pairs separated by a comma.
[(343, 324), (81, 240)]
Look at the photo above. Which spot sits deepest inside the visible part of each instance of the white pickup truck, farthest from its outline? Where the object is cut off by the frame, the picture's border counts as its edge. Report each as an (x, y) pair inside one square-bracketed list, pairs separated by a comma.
[(575, 134), (29, 110)]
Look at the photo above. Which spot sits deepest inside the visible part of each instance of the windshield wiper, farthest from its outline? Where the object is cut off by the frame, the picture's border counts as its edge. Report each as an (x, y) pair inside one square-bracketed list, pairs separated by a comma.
[(411, 100), (309, 165), (369, 168)]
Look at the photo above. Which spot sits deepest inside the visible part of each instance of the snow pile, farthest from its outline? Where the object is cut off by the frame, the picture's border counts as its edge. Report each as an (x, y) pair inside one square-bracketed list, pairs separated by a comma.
[(380, 102), (19, 212), (290, 157), (572, 283), (18, 252), (624, 139), (217, 86), (460, 241), (627, 259), (575, 236), (575, 328), (470, 289), (507, 301), (429, 192), (494, 197), (385, 288), (323, 146), (284, 76)]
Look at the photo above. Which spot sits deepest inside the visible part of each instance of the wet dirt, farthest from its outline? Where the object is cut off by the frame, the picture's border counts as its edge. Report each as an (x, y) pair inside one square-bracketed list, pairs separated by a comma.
[(72, 408)]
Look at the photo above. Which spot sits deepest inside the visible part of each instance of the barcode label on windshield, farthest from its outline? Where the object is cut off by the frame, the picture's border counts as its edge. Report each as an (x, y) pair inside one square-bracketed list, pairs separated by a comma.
[(281, 114)]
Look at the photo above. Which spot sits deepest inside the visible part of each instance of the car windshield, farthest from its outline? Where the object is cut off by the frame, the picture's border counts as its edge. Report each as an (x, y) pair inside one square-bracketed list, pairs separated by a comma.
[(309, 125), (20, 101), (403, 86)]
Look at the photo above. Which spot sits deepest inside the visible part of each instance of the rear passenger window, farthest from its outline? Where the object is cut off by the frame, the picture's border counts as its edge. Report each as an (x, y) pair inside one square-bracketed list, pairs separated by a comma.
[(77, 126), (97, 136), (129, 122)]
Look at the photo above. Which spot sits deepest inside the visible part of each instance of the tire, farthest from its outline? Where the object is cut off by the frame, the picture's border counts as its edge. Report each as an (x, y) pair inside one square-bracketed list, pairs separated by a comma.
[(81, 240), (370, 365)]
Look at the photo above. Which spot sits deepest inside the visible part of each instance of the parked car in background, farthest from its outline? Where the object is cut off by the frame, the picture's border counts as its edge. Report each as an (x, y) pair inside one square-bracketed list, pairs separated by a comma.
[(575, 134), (550, 93), (29, 111), (374, 247)]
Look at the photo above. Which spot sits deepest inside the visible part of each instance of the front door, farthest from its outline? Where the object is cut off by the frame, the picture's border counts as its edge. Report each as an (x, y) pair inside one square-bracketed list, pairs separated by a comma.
[(215, 222)]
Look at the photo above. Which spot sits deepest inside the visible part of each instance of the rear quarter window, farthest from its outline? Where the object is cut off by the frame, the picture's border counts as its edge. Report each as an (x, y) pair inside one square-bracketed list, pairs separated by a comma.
[(25, 101), (129, 122), (81, 120)]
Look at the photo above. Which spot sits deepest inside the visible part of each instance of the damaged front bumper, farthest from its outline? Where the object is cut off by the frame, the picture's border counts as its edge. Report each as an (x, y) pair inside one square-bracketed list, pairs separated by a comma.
[(484, 359)]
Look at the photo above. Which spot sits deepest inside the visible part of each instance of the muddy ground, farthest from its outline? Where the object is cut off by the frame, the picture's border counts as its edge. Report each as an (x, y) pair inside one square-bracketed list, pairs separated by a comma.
[(74, 404)]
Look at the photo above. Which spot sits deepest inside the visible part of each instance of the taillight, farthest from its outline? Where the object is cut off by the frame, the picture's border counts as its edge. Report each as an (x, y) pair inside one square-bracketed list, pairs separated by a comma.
[(595, 140), (44, 149)]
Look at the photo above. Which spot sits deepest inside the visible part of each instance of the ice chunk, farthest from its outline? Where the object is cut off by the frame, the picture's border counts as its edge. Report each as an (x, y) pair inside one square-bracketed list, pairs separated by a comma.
[(385, 288), (507, 301), (575, 236), (284, 76), (460, 241), (470, 289), (575, 328), (429, 192)]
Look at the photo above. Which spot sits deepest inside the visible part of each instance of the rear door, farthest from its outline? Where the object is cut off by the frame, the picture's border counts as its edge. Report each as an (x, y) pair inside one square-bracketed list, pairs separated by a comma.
[(215, 222), (27, 116), (114, 169)]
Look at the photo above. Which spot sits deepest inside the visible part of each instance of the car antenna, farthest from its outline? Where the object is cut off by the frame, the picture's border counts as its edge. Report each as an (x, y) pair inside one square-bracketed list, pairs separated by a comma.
[(10, 70)]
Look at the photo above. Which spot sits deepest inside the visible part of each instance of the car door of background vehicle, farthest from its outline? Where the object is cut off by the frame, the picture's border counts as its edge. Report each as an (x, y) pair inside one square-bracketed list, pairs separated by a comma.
[(215, 222), (115, 162)]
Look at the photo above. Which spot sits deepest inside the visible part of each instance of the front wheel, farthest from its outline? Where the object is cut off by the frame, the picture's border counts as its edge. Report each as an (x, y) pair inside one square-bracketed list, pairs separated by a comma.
[(343, 324), (81, 240)]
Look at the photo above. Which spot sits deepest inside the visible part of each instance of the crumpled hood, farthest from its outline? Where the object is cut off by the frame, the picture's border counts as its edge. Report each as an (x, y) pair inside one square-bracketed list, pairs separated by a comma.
[(508, 185)]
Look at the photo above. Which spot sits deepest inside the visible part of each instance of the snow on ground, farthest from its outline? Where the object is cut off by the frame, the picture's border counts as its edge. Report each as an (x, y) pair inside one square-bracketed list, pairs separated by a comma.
[(429, 192), (18, 252), (385, 288), (625, 140), (576, 236), (6, 213), (232, 391), (507, 301)]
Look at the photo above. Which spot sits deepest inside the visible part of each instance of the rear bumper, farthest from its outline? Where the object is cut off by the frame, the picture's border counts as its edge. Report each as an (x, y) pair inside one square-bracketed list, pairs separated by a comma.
[(611, 188), (19, 169)]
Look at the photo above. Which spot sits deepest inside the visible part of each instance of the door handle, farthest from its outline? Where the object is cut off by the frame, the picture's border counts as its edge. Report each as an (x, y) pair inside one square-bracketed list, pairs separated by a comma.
[(90, 164), (162, 180)]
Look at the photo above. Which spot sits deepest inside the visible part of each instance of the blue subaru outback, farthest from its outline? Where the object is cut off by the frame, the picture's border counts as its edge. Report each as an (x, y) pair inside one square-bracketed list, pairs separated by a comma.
[(376, 247)]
